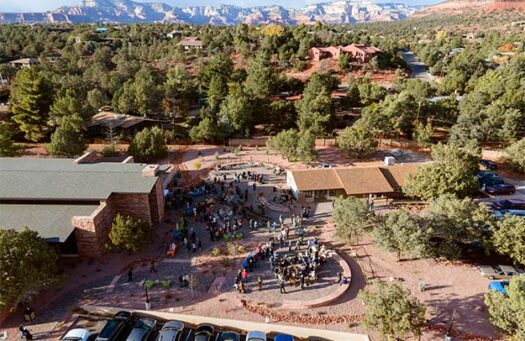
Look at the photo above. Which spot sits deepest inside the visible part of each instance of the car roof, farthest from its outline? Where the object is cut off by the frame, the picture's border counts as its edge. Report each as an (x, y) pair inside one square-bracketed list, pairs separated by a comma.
[(138, 332), (229, 335), (283, 337), (256, 334), (487, 268), (168, 334), (173, 325), (77, 333), (508, 269)]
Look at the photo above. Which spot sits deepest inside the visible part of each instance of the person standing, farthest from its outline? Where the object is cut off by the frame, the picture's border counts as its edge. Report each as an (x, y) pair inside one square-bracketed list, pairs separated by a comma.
[(130, 275), (281, 286), (24, 333), (244, 276), (242, 290), (152, 268)]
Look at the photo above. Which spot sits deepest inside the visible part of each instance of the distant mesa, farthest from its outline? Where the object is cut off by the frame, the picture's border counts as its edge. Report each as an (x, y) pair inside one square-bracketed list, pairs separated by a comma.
[(126, 11), (457, 7)]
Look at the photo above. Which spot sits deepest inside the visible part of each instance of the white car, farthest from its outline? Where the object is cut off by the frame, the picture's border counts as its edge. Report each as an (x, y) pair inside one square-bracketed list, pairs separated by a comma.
[(255, 335), (77, 334)]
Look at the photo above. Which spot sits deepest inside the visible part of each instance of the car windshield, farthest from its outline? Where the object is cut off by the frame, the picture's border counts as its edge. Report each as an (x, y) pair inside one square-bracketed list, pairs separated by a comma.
[(108, 329)]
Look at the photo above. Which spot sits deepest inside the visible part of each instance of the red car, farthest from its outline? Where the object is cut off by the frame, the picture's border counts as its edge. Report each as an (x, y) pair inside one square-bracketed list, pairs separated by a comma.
[(501, 189)]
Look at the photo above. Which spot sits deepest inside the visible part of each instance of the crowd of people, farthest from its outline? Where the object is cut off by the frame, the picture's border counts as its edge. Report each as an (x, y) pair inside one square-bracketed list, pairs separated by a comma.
[(227, 211)]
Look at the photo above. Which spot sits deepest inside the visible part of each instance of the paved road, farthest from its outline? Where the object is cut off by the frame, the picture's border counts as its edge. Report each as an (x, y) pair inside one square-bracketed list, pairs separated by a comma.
[(418, 69)]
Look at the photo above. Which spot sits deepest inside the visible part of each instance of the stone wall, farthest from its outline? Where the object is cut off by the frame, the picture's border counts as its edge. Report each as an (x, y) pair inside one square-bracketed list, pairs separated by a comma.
[(91, 232), (87, 157), (136, 205), (156, 202)]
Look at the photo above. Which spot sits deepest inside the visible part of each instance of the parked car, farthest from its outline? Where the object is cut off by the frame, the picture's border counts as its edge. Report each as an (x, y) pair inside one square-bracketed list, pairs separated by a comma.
[(283, 337), (395, 153), (501, 189), (115, 326), (507, 271), (326, 165), (171, 331), (256, 335), (204, 332), (488, 164), (499, 286), (228, 336), (141, 329), (499, 271), (491, 181), (506, 204), (502, 214), (77, 334), (486, 174)]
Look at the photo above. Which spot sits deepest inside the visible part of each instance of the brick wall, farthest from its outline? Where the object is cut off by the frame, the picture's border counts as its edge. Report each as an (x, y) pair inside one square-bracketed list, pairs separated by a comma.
[(156, 202), (91, 232), (132, 204)]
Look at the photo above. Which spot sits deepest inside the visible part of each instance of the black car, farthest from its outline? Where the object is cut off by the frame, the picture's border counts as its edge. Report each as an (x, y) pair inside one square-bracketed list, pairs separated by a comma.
[(491, 181), (228, 336), (204, 332), (114, 327), (142, 329), (491, 165), (506, 204)]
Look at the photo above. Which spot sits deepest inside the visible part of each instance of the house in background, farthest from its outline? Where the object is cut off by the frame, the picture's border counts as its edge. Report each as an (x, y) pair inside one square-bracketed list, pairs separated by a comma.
[(72, 202), (124, 125), (362, 182), (174, 33), (358, 52), (191, 43), (24, 62)]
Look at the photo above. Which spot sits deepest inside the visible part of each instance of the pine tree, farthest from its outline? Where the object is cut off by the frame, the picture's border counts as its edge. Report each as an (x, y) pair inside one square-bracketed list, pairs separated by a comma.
[(30, 100)]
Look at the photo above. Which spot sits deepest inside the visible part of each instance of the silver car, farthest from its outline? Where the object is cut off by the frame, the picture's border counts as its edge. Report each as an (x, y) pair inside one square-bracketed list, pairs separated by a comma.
[(171, 331), (499, 271)]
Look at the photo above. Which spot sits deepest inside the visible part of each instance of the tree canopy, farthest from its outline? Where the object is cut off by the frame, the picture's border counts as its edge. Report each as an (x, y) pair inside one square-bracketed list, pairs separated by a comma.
[(451, 172), (149, 145), (392, 310), (27, 265), (130, 234)]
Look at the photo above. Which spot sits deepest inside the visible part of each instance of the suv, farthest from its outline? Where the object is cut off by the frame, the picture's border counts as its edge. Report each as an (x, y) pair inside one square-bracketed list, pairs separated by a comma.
[(115, 326)]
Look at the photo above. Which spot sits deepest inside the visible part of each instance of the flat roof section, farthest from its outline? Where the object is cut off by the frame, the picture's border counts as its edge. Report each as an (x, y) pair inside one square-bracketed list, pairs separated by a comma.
[(63, 179), (52, 222)]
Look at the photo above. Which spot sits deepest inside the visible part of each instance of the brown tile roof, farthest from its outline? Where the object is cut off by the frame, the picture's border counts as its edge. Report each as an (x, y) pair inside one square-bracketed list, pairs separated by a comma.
[(355, 180), (396, 174), (316, 179), (363, 180)]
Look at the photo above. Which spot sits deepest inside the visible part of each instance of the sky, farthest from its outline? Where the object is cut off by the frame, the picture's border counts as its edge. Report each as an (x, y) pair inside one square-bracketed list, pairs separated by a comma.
[(43, 5)]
